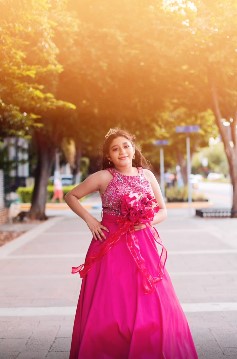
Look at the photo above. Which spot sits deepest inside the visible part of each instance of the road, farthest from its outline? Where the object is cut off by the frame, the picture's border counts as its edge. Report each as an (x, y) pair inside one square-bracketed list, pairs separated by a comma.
[(220, 194)]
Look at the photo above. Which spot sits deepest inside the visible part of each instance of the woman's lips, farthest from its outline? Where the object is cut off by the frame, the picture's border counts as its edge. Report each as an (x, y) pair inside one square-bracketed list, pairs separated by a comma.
[(123, 158)]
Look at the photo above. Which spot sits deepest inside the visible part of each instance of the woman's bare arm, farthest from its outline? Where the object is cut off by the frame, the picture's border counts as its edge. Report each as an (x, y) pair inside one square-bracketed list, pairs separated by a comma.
[(89, 185), (162, 214)]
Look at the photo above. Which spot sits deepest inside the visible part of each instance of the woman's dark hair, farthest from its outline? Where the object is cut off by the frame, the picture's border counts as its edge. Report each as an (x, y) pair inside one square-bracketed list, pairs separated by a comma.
[(138, 161)]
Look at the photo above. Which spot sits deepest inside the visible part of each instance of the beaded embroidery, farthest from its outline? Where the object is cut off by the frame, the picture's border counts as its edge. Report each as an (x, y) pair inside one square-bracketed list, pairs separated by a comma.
[(122, 184)]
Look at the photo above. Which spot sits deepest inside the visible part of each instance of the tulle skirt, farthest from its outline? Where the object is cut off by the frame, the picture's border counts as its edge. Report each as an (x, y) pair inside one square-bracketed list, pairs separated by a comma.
[(117, 319)]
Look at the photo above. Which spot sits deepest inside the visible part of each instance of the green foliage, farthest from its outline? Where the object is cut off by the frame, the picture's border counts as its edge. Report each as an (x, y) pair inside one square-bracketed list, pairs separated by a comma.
[(147, 66), (120, 70), (29, 66), (217, 162), (175, 194), (131, 71), (176, 148), (84, 167), (25, 193)]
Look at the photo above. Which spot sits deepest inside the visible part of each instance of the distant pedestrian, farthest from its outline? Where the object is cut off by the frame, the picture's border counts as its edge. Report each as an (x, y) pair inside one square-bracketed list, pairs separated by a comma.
[(127, 307), (179, 178), (169, 178), (58, 190)]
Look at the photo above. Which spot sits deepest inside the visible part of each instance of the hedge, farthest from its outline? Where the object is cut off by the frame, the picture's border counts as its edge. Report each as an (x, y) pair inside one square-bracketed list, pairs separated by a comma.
[(173, 194), (25, 193), (176, 194)]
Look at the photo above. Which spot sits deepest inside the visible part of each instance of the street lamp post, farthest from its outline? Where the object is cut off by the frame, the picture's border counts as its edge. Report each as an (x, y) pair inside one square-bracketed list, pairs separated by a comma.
[(162, 143), (189, 170)]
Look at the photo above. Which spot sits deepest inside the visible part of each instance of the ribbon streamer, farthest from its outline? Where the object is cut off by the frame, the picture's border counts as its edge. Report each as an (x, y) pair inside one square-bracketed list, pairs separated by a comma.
[(127, 228)]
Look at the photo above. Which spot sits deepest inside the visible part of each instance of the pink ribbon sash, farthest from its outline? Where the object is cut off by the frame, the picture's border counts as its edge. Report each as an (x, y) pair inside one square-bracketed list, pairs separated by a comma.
[(127, 228)]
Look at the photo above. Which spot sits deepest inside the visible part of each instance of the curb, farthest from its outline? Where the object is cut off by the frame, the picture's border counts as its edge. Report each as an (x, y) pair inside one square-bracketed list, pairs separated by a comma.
[(18, 242)]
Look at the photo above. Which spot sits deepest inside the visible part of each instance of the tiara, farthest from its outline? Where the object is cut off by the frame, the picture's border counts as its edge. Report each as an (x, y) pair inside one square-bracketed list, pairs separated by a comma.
[(112, 131)]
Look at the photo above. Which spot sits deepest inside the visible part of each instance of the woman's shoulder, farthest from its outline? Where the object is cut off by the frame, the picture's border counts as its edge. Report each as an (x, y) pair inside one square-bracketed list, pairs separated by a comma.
[(102, 174), (148, 173), (102, 179)]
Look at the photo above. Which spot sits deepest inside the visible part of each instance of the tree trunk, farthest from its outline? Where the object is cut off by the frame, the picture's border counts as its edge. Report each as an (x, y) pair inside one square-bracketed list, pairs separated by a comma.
[(45, 158), (233, 176), (229, 138), (76, 169)]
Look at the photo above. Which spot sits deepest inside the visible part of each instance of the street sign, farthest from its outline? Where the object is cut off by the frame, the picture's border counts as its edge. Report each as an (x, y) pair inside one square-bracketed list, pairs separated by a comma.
[(187, 129), (161, 142)]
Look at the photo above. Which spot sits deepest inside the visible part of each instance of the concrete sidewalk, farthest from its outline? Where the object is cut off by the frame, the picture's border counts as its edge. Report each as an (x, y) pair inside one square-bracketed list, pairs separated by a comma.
[(38, 295)]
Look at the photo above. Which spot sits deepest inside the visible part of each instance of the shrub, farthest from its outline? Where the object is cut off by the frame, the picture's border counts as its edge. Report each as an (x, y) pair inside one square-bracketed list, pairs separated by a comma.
[(176, 194), (25, 193)]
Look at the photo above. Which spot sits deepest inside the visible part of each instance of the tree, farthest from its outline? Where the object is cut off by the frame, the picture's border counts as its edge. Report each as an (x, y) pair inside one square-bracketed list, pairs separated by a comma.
[(30, 71), (126, 71), (47, 139), (214, 156), (119, 77), (123, 63), (209, 33), (175, 152)]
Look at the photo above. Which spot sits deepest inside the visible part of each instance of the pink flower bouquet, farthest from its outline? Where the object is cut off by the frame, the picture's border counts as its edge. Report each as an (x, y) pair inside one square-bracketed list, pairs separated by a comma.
[(139, 207)]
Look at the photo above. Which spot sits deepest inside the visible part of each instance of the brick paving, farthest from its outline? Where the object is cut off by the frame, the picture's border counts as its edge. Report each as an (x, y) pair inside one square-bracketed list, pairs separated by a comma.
[(38, 295)]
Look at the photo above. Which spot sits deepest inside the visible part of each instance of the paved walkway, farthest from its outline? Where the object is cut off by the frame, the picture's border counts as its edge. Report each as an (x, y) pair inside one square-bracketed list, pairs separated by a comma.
[(38, 294)]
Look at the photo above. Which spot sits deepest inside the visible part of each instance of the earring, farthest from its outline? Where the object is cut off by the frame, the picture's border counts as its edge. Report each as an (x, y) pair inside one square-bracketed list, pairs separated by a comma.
[(109, 163), (133, 157)]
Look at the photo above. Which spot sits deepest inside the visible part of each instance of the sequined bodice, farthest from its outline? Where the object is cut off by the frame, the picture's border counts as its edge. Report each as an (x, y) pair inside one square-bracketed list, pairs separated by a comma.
[(120, 185)]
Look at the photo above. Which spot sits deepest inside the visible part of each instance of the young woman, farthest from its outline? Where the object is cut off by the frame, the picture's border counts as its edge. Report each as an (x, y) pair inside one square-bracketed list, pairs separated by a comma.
[(127, 307)]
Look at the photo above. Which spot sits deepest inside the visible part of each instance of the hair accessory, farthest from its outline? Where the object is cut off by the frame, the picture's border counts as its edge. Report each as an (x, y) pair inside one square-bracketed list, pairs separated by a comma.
[(112, 131)]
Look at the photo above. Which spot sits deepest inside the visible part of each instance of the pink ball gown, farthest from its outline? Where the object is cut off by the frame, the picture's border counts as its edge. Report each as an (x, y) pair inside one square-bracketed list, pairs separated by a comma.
[(127, 308)]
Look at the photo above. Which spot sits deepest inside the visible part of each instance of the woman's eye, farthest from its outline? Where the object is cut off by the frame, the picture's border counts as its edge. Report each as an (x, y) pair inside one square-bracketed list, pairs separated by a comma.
[(114, 149), (126, 146)]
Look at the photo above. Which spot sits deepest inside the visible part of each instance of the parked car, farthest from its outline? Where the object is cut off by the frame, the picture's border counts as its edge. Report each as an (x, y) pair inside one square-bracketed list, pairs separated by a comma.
[(212, 176), (198, 177)]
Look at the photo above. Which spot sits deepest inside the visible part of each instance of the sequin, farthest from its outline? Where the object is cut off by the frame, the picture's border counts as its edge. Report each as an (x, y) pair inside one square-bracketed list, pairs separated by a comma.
[(120, 185)]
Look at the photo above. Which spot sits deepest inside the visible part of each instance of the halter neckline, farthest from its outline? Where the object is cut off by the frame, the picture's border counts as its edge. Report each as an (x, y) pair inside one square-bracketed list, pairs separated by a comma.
[(139, 171)]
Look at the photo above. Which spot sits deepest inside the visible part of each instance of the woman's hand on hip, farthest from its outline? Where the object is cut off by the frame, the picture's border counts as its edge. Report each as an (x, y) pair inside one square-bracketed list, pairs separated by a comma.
[(96, 228)]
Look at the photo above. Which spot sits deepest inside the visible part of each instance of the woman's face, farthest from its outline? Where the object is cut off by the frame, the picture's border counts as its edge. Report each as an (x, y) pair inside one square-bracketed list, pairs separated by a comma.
[(121, 152)]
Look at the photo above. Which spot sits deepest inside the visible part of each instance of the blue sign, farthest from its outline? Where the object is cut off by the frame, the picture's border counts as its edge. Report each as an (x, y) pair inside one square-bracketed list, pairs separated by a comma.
[(187, 129), (161, 142)]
